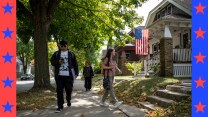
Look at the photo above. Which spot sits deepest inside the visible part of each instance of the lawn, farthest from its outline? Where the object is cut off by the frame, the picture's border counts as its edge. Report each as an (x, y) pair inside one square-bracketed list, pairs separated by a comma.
[(132, 91)]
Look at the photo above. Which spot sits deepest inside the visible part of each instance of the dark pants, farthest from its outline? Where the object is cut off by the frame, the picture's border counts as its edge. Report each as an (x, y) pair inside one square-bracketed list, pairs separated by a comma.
[(88, 83), (61, 83)]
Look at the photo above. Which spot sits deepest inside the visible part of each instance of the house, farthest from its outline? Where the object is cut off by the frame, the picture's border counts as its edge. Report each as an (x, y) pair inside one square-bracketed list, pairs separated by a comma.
[(169, 25), (126, 54), (19, 67)]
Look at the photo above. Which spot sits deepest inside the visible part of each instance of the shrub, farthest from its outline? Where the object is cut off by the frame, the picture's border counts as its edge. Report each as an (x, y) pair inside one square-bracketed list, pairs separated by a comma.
[(130, 67), (155, 67)]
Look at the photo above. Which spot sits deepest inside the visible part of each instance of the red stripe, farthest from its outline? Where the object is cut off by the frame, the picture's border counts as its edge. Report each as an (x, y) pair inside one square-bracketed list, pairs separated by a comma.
[(142, 45)]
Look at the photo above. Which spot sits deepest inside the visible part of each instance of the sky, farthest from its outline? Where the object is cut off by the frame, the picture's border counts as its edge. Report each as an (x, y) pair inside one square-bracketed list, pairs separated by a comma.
[(146, 8)]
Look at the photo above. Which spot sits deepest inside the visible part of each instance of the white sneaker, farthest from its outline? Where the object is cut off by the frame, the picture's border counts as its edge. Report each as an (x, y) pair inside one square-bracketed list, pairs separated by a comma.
[(104, 104), (117, 104)]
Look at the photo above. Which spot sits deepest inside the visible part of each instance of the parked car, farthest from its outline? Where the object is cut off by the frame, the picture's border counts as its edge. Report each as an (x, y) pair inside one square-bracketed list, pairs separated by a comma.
[(27, 77)]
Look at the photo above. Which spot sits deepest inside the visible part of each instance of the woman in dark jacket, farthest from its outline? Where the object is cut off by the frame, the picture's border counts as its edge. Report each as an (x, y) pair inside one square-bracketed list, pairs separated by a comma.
[(88, 75)]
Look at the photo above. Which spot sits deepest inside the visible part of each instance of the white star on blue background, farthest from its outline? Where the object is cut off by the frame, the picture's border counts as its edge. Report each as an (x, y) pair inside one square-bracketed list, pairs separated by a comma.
[(7, 58), (7, 107), (7, 8), (7, 82), (7, 33)]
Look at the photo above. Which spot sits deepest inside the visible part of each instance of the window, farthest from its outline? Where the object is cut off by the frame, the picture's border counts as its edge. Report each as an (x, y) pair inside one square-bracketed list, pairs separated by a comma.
[(186, 41), (169, 10), (156, 48), (158, 15), (163, 13)]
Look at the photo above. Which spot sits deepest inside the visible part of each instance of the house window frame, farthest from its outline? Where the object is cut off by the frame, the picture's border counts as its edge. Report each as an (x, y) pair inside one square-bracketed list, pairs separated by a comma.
[(169, 12), (158, 15), (162, 15)]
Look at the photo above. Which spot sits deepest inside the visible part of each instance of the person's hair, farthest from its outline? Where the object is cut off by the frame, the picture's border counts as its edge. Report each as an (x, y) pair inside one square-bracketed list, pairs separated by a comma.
[(108, 55), (63, 42), (87, 63)]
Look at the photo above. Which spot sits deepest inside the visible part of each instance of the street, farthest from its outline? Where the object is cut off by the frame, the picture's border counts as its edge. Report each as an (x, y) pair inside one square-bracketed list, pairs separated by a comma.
[(22, 86)]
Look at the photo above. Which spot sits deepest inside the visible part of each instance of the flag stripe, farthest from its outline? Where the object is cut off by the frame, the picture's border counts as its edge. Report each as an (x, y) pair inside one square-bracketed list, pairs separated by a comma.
[(141, 44)]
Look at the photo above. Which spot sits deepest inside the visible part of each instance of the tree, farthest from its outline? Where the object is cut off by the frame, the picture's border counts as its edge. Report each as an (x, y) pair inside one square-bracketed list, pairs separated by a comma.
[(25, 52), (40, 15), (81, 23)]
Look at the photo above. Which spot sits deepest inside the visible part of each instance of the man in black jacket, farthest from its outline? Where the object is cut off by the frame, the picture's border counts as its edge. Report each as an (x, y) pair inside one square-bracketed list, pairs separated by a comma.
[(66, 70)]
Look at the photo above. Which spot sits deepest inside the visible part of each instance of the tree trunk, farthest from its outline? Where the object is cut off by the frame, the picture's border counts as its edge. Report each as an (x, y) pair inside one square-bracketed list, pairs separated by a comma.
[(22, 58), (42, 78)]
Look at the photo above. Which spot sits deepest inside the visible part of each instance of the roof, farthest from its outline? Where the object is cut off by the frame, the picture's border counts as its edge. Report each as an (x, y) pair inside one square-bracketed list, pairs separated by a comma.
[(175, 17), (184, 5), (171, 18)]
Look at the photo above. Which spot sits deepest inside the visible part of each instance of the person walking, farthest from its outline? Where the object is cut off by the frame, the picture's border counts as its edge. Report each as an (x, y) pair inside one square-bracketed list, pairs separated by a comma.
[(109, 66), (88, 75), (66, 70)]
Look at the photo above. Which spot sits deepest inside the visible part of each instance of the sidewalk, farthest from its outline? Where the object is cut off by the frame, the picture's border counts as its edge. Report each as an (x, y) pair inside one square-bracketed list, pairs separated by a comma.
[(86, 103)]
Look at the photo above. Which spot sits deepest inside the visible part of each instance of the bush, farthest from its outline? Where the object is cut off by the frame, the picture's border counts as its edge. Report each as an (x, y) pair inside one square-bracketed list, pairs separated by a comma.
[(97, 71), (130, 67), (155, 67)]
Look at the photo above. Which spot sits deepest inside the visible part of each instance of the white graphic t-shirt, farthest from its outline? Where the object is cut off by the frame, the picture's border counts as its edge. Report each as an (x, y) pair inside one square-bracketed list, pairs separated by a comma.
[(64, 70)]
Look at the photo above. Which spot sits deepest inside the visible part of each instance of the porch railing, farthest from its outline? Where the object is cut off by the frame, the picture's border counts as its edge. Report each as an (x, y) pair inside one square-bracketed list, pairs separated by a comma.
[(182, 55), (182, 70)]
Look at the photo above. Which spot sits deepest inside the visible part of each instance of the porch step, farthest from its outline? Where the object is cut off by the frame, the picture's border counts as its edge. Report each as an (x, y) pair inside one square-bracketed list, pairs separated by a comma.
[(149, 106), (178, 88), (132, 111), (186, 84), (162, 102), (186, 81), (171, 95), (150, 71)]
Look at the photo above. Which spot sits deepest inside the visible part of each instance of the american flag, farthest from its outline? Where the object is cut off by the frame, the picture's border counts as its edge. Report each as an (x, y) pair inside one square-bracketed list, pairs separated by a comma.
[(7, 58), (141, 41)]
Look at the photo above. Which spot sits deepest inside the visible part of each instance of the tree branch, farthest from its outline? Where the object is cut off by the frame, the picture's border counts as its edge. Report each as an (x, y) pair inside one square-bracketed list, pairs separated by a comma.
[(52, 4), (87, 9), (103, 21), (22, 10)]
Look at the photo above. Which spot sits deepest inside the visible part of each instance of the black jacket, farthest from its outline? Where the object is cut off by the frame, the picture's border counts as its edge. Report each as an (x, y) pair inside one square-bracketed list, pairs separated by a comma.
[(88, 71), (71, 61)]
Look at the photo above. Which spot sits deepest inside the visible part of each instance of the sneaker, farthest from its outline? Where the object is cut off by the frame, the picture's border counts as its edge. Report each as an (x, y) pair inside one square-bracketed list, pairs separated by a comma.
[(104, 104), (58, 110), (68, 104), (117, 104)]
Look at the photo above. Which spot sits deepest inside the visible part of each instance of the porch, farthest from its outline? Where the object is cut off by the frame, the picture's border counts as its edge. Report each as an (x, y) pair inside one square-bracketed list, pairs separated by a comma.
[(181, 63)]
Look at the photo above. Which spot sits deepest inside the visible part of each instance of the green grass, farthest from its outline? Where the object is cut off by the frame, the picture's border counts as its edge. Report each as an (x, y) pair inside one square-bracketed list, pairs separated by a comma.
[(140, 88), (131, 91), (123, 77)]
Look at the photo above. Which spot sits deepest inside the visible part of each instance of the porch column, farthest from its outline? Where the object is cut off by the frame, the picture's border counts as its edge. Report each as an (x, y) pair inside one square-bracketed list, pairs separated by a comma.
[(123, 61), (166, 54)]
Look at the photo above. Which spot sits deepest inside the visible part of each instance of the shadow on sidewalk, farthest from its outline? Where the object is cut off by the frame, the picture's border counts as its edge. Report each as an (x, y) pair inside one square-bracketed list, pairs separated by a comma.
[(86, 103)]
